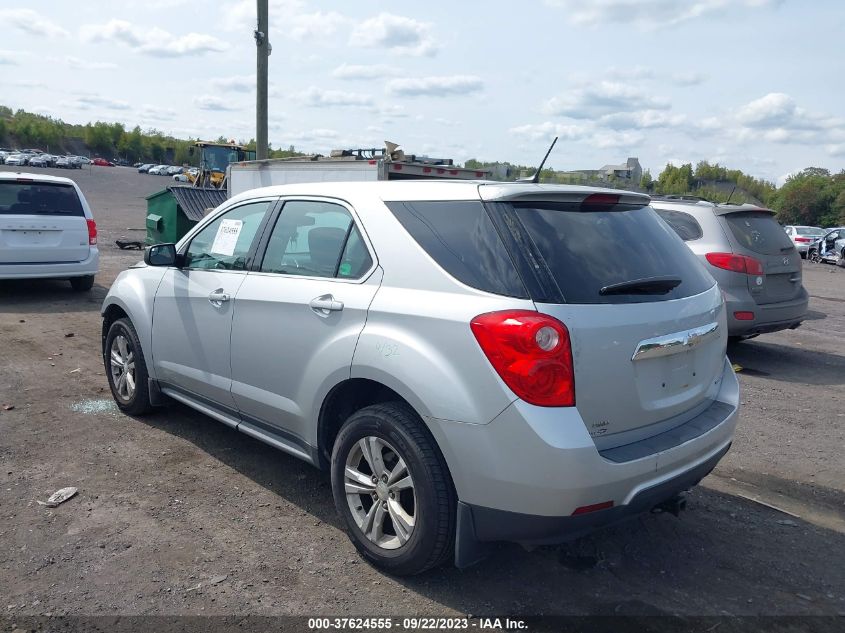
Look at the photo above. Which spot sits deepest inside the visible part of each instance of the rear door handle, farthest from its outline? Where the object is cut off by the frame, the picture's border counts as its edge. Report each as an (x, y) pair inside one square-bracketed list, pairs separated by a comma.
[(326, 304), (218, 297)]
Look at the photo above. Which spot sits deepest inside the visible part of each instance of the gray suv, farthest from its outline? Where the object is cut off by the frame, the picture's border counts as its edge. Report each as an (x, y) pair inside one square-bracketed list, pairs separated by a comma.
[(755, 262), (467, 359)]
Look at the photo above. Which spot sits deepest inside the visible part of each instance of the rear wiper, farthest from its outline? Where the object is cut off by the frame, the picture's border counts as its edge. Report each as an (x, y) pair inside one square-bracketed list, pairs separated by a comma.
[(645, 286)]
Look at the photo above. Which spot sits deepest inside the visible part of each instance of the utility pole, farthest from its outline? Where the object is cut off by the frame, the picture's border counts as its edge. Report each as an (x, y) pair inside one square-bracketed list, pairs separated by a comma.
[(263, 48)]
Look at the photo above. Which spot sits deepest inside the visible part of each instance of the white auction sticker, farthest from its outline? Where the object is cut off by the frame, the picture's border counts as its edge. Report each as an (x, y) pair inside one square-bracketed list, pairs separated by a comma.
[(227, 237)]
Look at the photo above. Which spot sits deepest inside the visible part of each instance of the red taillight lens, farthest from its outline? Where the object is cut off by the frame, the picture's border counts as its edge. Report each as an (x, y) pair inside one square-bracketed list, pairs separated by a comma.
[(593, 508), (531, 352), (735, 263), (92, 232), (743, 315), (803, 240)]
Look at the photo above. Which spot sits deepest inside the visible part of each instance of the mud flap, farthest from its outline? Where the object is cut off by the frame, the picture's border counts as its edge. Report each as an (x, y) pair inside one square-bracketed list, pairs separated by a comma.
[(157, 399), (468, 549)]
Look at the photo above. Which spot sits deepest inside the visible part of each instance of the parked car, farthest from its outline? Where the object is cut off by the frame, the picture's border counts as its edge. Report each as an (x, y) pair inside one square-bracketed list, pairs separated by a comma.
[(445, 350), (47, 230), (158, 170), (64, 162), (17, 159), (184, 175), (748, 253), (82, 160), (803, 236), (173, 170), (102, 162), (830, 248), (41, 160), (143, 169)]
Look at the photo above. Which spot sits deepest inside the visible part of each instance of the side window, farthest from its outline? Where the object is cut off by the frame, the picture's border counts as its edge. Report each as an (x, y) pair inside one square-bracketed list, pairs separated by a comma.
[(224, 244), (316, 239), (686, 226)]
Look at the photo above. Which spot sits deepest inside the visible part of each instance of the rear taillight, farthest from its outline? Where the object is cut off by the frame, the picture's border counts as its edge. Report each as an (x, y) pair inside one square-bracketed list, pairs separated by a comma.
[(92, 232), (803, 240), (744, 315), (531, 352), (735, 263)]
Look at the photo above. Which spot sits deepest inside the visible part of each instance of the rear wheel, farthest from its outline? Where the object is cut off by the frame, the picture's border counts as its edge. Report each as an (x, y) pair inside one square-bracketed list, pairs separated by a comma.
[(126, 368), (393, 489), (81, 284)]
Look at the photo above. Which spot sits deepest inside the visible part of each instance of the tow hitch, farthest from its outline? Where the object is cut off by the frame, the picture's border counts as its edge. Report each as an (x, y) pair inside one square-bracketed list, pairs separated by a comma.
[(672, 506)]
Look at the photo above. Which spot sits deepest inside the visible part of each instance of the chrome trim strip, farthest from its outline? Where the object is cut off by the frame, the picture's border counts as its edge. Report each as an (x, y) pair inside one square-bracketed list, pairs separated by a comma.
[(674, 343)]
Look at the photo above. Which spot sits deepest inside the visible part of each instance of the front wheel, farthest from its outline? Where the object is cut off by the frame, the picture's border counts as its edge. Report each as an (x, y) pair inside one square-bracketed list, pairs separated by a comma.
[(126, 368), (393, 490)]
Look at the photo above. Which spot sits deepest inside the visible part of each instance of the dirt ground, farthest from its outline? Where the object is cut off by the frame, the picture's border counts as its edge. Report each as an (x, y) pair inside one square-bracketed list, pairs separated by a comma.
[(178, 514)]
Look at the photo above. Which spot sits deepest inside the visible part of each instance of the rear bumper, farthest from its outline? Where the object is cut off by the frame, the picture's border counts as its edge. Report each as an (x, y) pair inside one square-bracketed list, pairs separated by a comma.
[(488, 524), (770, 317), (50, 270)]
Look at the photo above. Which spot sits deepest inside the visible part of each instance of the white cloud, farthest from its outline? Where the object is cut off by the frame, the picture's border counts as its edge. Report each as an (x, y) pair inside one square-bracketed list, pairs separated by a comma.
[(643, 119), (688, 78), (618, 140), (307, 26), (29, 83), (210, 102), (355, 71), (318, 97), (435, 86), (603, 98), (549, 130), (10, 58), (31, 22), (154, 41), (396, 33), (84, 64), (775, 108), (236, 83), (88, 102), (651, 14)]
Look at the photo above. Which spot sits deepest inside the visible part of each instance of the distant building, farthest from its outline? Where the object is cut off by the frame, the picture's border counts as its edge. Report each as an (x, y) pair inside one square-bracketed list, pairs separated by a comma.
[(630, 171)]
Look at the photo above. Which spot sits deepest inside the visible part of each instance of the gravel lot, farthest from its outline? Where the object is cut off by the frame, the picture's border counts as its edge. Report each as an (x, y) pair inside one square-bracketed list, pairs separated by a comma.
[(178, 514)]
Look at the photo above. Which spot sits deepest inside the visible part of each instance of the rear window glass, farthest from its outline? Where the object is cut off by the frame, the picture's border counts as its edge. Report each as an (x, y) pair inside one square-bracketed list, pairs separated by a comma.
[(758, 232), (686, 226), (30, 198), (461, 238), (806, 230), (590, 250)]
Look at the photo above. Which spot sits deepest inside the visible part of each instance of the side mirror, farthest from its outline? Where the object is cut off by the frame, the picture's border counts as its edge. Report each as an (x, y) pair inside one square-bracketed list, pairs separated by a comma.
[(161, 255)]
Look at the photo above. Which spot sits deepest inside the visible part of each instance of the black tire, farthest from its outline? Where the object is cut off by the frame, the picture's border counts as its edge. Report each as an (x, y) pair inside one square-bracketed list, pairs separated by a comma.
[(431, 542), (139, 401), (82, 284)]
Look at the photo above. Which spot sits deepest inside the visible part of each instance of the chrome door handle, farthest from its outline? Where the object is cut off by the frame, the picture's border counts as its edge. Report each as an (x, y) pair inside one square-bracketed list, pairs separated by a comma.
[(218, 297), (326, 304)]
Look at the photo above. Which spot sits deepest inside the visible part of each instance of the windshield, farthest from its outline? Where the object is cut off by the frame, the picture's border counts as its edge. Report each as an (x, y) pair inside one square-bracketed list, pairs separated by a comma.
[(809, 231), (588, 252), (30, 198), (758, 231), (218, 158)]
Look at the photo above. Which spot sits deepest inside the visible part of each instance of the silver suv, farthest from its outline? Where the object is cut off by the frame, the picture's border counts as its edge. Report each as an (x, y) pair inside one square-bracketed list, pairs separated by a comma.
[(473, 362), (755, 262)]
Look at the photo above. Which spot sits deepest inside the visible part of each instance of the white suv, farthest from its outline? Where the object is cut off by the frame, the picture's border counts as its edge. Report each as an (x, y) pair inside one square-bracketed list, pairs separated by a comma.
[(46, 230)]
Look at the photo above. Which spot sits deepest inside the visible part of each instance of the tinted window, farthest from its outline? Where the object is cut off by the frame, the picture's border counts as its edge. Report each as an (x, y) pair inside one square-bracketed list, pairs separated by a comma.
[(39, 199), (225, 243), (316, 239), (758, 232), (461, 238), (809, 231), (586, 251), (686, 226)]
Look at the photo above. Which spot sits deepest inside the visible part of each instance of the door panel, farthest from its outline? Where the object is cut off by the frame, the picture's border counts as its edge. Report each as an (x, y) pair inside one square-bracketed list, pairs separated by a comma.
[(191, 334), (298, 317), (192, 314)]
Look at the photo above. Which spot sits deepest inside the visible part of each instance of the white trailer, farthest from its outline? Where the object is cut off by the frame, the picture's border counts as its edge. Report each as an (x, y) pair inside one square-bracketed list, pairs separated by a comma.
[(343, 166)]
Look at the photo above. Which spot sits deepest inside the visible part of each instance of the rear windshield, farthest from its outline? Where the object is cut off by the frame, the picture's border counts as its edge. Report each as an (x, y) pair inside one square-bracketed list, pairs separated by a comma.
[(686, 226), (587, 250), (38, 198), (759, 232), (808, 230), (461, 238)]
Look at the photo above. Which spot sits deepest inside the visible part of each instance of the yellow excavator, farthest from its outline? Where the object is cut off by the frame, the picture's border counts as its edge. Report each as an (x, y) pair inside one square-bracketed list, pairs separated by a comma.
[(214, 159)]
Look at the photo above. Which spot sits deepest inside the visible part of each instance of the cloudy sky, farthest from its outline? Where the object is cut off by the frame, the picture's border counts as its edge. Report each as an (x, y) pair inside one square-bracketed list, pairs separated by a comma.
[(753, 84)]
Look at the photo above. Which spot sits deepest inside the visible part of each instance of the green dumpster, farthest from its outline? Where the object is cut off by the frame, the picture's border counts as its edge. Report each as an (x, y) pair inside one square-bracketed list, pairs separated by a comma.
[(172, 212)]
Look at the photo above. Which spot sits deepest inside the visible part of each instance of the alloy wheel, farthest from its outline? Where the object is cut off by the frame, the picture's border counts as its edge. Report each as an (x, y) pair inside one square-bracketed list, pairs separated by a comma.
[(122, 367)]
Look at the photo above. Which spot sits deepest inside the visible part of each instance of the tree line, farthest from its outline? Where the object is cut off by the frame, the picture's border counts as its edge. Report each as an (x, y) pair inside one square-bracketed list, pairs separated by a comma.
[(109, 140)]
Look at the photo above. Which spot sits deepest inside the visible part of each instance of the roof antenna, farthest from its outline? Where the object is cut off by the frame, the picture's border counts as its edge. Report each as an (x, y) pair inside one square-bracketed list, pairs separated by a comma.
[(730, 195), (536, 177)]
